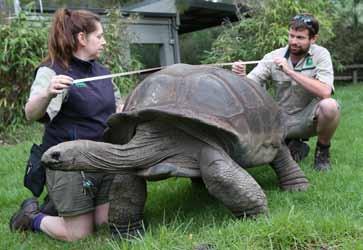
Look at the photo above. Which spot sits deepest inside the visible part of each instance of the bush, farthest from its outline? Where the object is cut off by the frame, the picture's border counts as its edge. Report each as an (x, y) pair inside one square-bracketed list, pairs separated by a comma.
[(348, 26), (22, 46)]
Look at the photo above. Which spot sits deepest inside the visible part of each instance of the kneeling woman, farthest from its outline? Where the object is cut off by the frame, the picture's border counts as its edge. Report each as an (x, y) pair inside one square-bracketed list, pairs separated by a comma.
[(71, 112)]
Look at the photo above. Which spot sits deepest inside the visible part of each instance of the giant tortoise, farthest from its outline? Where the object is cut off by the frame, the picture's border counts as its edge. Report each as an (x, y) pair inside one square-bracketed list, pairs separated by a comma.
[(187, 121)]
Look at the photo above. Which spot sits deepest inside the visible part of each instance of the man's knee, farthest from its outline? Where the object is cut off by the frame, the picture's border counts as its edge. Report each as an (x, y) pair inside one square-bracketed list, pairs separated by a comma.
[(329, 109)]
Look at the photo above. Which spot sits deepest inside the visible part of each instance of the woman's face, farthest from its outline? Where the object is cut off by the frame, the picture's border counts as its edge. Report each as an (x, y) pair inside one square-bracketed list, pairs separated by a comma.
[(93, 43)]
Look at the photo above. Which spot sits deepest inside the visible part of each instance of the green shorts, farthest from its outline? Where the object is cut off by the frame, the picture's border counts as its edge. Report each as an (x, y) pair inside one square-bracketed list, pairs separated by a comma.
[(302, 125), (67, 192)]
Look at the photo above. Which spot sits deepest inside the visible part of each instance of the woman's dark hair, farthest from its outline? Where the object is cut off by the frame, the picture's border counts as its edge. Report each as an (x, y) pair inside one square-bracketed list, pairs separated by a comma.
[(305, 21), (62, 38)]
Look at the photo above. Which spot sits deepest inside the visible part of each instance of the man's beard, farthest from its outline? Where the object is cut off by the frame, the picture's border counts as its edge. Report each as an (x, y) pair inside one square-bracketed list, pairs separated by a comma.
[(299, 51)]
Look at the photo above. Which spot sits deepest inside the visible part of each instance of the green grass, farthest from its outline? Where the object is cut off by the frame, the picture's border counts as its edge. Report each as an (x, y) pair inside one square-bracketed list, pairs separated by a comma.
[(328, 216)]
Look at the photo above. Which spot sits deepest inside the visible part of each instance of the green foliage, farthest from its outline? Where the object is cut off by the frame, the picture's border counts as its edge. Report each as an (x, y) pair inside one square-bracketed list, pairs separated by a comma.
[(348, 27), (22, 46), (116, 56), (266, 29), (20, 132)]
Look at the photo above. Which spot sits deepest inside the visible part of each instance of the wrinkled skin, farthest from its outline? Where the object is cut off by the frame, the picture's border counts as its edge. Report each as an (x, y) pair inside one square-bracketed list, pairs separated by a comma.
[(153, 140)]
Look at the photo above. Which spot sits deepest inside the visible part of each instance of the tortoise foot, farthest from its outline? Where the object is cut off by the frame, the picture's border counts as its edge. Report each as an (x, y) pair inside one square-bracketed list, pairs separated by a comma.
[(295, 187), (253, 212), (128, 231), (289, 173)]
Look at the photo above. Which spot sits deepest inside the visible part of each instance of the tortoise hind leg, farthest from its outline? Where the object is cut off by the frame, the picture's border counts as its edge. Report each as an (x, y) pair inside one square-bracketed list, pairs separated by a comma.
[(127, 200), (291, 177), (231, 184)]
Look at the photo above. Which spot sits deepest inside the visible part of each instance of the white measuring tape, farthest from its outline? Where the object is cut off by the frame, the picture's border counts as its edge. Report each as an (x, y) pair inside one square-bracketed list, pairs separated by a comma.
[(95, 78)]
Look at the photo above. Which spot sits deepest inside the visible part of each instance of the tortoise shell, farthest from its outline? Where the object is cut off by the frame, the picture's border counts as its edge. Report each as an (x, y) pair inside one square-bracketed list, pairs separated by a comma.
[(208, 102)]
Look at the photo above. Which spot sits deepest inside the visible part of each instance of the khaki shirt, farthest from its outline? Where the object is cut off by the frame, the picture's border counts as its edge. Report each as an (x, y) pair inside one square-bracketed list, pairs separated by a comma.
[(41, 83), (290, 95)]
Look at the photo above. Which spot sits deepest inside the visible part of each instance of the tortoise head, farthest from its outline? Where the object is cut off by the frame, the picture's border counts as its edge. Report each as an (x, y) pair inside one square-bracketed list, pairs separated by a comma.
[(71, 156)]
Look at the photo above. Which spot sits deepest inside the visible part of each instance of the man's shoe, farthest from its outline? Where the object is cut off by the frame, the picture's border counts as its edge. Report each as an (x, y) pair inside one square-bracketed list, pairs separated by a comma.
[(322, 157), (298, 149), (22, 219)]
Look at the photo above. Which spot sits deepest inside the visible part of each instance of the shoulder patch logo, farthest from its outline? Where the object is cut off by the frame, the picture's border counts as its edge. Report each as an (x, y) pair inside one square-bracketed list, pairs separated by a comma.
[(309, 62), (80, 85)]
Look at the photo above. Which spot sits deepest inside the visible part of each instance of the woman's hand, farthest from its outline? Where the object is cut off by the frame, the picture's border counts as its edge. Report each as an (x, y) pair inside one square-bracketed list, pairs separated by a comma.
[(58, 83), (37, 105)]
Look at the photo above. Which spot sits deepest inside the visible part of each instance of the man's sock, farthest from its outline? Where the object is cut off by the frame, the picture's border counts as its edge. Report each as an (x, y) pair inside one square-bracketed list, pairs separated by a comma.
[(323, 146)]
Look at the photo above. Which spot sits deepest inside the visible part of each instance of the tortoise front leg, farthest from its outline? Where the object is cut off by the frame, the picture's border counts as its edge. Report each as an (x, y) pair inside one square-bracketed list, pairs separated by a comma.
[(291, 177), (127, 201), (231, 184)]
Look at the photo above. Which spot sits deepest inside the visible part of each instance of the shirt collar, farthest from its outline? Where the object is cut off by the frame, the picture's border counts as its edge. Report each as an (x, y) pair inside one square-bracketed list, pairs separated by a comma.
[(86, 65)]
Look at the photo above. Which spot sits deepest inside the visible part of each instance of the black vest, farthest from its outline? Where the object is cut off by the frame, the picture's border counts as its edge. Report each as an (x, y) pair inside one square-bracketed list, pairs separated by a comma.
[(86, 107)]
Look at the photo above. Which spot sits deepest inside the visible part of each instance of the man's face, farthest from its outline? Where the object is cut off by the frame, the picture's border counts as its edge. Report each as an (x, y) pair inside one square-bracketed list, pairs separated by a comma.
[(299, 41)]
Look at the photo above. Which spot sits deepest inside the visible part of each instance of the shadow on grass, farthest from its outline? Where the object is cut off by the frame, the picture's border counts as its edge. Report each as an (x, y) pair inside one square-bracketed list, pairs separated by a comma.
[(183, 200), (188, 202)]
